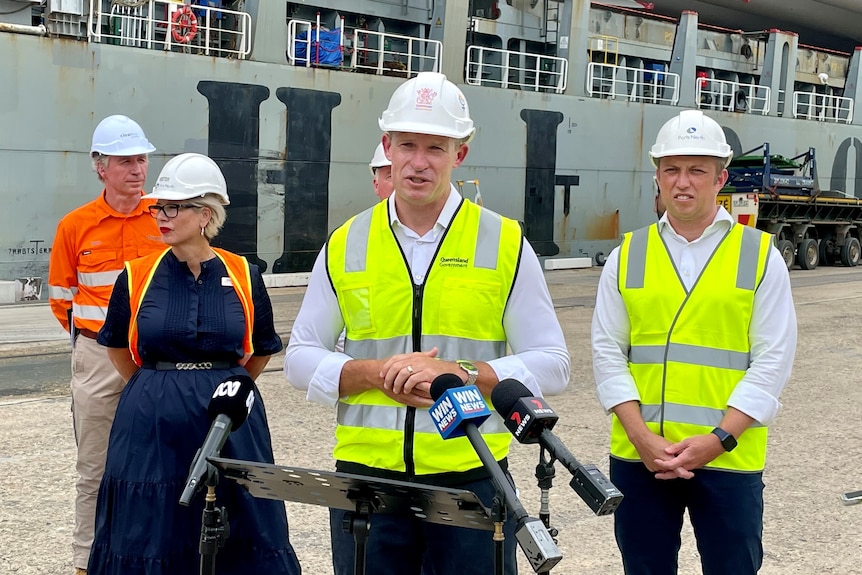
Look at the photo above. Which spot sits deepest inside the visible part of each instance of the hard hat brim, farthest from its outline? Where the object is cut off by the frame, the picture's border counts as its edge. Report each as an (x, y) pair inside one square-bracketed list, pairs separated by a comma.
[(178, 196), (134, 151), (689, 152)]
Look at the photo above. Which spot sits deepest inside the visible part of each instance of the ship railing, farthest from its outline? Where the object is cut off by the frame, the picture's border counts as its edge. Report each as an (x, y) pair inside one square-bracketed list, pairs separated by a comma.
[(822, 107), (166, 25), (326, 47), (632, 84), (394, 54), (729, 96), (516, 70)]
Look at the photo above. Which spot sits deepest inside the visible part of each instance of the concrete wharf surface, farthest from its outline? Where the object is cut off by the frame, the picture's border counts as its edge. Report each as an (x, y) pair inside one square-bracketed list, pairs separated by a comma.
[(815, 446)]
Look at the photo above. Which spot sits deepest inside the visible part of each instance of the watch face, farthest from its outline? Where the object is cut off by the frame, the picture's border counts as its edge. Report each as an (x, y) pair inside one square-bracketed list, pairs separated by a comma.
[(468, 367)]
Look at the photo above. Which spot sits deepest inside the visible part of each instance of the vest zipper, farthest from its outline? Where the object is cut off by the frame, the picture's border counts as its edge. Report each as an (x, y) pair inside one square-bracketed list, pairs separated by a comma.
[(410, 418)]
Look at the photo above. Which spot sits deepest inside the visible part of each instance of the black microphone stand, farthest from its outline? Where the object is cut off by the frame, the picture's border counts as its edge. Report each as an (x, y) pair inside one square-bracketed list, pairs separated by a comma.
[(214, 525), (498, 513), (545, 473)]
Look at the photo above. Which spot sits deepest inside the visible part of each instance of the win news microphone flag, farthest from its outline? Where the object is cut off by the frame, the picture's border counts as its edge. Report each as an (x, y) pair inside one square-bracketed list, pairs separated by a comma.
[(229, 407), (458, 411), (530, 420)]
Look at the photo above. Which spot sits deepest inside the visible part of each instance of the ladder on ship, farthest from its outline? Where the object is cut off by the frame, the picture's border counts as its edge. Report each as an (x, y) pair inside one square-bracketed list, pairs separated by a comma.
[(551, 20)]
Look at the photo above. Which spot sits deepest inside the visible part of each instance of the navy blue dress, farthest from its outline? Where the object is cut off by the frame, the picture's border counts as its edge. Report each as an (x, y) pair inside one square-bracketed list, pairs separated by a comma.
[(162, 420)]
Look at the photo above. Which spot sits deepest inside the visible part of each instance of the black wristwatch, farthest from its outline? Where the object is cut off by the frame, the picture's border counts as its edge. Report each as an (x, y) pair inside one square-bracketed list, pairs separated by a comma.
[(728, 441)]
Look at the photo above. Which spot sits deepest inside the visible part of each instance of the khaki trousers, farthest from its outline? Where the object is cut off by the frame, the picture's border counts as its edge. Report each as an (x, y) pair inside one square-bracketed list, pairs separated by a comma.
[(96, 388)]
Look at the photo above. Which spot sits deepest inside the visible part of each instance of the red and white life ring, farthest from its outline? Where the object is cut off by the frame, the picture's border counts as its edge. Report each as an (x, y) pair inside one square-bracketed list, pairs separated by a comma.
[(184, 24)]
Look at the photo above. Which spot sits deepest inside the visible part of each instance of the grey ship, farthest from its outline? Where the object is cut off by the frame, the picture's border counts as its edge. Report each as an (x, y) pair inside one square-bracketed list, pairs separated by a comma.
[(567, 96)]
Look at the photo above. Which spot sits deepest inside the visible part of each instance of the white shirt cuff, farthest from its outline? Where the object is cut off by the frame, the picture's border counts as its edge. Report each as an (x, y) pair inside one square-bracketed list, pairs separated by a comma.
[(616, 390), (754, 402), (323, 387)]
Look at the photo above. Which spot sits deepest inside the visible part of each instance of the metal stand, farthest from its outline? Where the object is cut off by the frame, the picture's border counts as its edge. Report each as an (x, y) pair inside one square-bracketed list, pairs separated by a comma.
[(545, 474), (498, 511), (852, 497), (363, 496), (214, 525)]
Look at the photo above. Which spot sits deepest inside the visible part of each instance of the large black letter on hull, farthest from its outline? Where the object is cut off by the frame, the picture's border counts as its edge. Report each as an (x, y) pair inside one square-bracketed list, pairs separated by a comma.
[(306, 176), (539, 181), (234, 144)]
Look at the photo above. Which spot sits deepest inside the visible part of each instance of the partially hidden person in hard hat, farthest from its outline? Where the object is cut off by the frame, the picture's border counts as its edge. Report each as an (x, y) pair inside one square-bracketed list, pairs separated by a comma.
[(180, 322), (90, 246), (425, 283), (693, 338), (381, 173)]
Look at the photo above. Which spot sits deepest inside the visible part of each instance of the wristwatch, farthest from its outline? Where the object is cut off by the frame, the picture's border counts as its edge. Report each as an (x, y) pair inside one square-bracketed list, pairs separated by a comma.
[(472, 371), (728, 442)]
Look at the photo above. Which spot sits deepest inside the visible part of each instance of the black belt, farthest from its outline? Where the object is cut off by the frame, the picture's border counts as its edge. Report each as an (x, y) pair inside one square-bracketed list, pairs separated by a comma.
[(87, 333), (188, 365)]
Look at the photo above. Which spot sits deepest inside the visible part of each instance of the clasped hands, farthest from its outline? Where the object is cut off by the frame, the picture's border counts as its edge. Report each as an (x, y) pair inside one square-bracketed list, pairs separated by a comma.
[(677, 460), (407, 377)]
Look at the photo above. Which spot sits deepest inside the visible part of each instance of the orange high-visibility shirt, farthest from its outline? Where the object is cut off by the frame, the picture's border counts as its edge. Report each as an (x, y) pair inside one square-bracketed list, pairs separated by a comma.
[(90, 247)]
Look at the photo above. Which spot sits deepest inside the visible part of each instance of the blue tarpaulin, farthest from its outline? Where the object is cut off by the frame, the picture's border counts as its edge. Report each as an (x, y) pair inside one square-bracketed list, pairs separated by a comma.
[(325, 50)]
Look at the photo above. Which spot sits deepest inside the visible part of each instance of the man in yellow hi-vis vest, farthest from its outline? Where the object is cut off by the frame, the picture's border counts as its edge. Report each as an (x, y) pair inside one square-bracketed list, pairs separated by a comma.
[(693, 335), (423, 283)]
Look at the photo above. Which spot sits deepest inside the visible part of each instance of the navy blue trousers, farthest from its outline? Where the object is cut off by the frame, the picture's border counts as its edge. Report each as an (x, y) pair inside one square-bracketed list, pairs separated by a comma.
[(404, 545), (726, 511)]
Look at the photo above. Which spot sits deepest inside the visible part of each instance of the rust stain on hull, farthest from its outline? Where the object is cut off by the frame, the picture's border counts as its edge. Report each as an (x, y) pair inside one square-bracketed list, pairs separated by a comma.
[(603, 227)]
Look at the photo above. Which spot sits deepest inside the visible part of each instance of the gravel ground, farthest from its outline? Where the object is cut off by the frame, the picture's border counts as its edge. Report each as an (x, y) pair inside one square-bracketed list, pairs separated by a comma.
[(815, 450)]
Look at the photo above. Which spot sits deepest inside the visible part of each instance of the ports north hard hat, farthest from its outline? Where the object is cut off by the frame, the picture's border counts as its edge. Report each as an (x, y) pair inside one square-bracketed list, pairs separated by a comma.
[(120, 136), (428, 104), (379, 160), (189, 176), (690, 133)]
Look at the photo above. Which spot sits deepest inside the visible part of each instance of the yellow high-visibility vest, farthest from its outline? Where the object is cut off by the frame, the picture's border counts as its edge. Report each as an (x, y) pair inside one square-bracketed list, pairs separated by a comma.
[(458, 309), (689, 349)]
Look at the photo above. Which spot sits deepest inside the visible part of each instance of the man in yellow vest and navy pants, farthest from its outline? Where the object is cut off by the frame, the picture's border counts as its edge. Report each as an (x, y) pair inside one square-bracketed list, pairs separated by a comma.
[(693, 335), (423, 283)]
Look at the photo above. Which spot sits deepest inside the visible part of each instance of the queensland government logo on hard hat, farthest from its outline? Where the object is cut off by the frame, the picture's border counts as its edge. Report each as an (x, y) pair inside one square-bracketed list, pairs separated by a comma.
[(425, 98)]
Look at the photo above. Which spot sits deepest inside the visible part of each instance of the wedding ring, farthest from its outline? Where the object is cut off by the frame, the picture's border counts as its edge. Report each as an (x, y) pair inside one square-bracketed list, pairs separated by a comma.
[(409, 369)]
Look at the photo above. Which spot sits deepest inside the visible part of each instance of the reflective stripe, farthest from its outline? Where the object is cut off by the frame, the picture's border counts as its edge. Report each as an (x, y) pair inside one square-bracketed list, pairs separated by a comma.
[(377, 348), (679, 413), (89, 312), (636, 269), (488, 241), (391, 418), (356, 250), (98, 279), (749, 254), (691, 354), (450, 348), (57, 292)]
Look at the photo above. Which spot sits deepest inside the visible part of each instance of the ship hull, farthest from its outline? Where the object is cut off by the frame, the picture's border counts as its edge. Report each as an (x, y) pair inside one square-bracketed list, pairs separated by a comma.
[(295, 143)]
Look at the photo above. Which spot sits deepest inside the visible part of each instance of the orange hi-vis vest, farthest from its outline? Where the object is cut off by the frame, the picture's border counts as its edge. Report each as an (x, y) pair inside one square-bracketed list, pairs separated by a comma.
[(91, 244), (142, 270)]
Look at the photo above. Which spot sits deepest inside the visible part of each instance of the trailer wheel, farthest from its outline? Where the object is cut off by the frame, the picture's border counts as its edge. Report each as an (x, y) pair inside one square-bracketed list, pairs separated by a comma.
[(827, 251), (787, 252), (808, 255), (850, 252)]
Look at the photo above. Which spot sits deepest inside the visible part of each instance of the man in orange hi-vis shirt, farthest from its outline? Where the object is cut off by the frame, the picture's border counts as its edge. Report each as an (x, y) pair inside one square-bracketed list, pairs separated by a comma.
[(91, 244)]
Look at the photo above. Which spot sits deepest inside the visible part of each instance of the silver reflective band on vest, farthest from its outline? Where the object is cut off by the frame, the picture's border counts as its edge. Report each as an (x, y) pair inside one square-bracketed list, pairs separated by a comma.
[(392, 418), (57, 292), (98, 279), (357, 242), (677, 412), (749, 253), (690, 354), (636, 270), (89, 312), (448, 347), (488, 242)]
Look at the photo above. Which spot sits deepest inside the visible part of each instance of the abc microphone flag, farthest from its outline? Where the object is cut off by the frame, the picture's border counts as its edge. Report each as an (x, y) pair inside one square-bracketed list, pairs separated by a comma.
[(228, 409)]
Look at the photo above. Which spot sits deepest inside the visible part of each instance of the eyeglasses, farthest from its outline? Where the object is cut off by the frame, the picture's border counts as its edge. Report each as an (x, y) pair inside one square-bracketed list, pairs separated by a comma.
[(170, 210)]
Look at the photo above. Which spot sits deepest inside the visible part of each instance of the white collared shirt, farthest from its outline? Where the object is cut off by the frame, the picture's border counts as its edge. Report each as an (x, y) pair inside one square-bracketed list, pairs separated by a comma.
[(772, 331), (540, 359)]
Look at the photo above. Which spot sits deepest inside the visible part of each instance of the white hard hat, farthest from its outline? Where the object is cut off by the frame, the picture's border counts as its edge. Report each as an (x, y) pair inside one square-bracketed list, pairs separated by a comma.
[(189, 176), (120, 136), (428, 104), (691, 133), (379, 160)]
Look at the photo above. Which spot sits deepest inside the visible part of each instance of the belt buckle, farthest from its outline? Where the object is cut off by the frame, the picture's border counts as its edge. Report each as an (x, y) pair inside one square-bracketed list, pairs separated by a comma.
[(198, 365)]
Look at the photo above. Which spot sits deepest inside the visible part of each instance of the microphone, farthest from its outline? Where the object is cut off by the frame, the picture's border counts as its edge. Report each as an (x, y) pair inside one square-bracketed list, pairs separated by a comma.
[(229, 407), (458, 411), (530, 420)]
